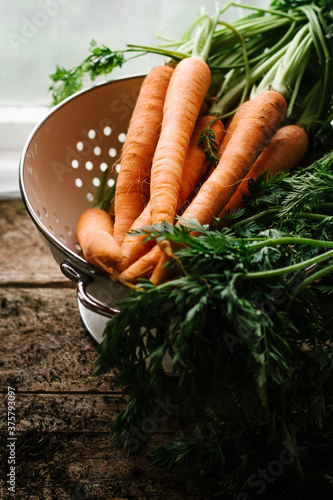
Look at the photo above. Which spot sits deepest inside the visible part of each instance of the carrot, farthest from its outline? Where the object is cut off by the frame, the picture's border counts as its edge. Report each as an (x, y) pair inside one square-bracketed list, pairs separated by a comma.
[(286, 148), (256, 128), (195, 165), (160, 273), (132, 188), (94, 234), (229, 130), (254, 131), (185, 95), (133, 246), (232, 125), (142, 267)]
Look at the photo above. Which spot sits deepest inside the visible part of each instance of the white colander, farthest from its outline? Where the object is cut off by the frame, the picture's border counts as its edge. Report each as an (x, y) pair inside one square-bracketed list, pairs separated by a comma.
[(60, 170)]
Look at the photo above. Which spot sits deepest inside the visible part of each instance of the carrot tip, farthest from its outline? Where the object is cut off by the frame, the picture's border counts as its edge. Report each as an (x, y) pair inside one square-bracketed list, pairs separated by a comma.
[(166, 248), (101, 264), (119, 278)]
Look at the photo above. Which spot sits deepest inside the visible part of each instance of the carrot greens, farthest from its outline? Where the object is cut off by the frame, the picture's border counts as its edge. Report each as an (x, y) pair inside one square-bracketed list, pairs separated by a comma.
[(248, 325)]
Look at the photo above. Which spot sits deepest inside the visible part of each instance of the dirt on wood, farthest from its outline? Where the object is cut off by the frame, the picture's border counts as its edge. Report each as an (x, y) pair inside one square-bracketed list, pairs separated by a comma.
[(63, 413)]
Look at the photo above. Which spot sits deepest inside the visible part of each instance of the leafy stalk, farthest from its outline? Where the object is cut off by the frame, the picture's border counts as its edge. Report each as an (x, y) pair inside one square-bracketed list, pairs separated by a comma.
[(307, 282), (268, 47)]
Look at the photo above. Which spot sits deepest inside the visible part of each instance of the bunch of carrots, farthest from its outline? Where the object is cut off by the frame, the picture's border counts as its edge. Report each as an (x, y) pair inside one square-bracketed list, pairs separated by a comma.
[(162, 152), (165, 169)]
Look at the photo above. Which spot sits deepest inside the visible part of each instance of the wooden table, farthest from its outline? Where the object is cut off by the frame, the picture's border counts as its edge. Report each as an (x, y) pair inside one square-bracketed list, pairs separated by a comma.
[(62, 412)]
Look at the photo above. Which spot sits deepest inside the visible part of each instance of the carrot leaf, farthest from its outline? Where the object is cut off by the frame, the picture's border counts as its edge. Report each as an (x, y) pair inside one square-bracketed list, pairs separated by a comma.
[(210, 146), (248, 329)]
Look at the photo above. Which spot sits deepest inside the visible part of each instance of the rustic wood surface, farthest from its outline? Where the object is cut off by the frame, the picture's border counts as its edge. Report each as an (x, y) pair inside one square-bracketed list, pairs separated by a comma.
[(63, 413)]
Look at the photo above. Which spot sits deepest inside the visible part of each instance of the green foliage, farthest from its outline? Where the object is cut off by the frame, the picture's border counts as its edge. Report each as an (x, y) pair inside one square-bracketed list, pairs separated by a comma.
[(292, 4), (249, 343), (286, 47), (65, 83), (101, 61)]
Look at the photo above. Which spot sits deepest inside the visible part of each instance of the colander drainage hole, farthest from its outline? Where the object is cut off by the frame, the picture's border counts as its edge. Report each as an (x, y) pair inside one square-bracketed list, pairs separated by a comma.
[(121, 137), (103, 166), (45, 212), (107, 130), (55, 218), (67, 230), (117, 168), (89, 165), (75, 163), (97, 151), (79, 146), (111, 182), (96, 182), (90, 197), (62, 239), (92, 134), (112, 152), (78, 182)]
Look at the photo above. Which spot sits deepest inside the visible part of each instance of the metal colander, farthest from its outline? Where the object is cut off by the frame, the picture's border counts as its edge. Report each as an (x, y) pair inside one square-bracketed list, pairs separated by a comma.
[(60, 170)]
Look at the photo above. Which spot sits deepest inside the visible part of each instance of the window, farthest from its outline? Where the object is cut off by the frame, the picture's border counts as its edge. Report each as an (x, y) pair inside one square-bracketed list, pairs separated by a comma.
[(37, 35)]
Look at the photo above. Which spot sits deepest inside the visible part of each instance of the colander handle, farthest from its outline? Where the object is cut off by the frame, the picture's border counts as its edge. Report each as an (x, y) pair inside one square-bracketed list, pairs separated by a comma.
[(86, 300)]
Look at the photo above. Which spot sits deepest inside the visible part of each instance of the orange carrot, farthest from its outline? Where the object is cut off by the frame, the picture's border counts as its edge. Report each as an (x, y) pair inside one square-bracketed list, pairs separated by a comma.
[(94, 234), (254, 131), (132, 188), (196, 162), (229, 130), (286, 148), (194, 165), (142, 267), (232, 125), (203, 109), (160, 272), (283, 152), (187, 89), (133, 246)]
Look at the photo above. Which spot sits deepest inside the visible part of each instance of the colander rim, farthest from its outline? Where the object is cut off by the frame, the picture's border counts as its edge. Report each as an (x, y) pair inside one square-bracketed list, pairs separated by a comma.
[(39, 224)]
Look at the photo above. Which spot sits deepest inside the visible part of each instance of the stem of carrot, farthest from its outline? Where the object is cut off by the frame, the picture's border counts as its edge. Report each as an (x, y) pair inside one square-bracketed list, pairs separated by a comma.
[(287, 240), (245, 60), (288, 269), (306, 282), (208, 28), (312, 13), (275, 210), (231, 96)]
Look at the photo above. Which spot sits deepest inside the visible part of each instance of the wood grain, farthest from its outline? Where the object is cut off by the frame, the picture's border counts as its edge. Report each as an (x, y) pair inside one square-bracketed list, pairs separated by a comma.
[(63, 412), (25, 260)]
